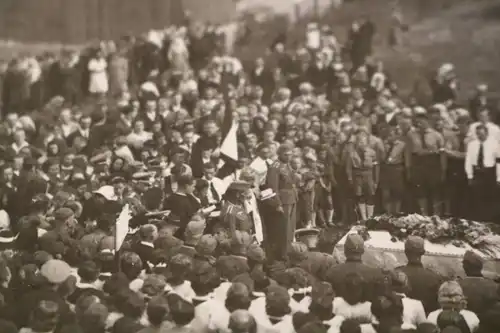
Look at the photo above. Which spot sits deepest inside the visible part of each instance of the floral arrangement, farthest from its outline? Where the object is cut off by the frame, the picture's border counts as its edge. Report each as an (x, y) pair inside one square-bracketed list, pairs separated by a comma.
[(436, 229)]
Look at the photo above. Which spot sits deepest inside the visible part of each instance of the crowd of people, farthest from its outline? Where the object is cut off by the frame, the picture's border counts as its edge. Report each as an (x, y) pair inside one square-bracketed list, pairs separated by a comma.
[(323, 138)]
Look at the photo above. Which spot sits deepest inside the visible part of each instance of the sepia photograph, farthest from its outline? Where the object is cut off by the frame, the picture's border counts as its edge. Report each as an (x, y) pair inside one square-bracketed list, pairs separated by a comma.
[(249, 166)]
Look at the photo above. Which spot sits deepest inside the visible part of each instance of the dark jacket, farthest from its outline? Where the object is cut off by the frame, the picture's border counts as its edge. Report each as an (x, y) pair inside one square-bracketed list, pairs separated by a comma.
[(424, 285)]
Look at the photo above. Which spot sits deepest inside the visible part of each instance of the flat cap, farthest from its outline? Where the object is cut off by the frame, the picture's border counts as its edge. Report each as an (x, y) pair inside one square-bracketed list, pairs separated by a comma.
[(354, 244), (55, 271), (415, 245)]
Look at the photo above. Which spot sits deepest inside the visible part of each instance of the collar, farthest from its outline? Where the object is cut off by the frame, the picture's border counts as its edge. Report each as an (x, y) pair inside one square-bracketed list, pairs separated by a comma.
[(300, 291), (238, 256), (17, 147), (203, 298), (258, 294), (475, 275), (275, 319), (83, 285), (149, 244)]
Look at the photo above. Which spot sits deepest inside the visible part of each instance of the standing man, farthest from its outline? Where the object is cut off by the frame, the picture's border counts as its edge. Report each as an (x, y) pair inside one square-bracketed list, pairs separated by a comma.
[(427, 165), (456, 180), (483, 171), (282, 180)]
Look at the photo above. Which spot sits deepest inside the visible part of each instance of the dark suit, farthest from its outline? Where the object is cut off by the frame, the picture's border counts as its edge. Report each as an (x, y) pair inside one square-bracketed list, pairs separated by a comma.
[(282, 180), (196, 158), (261, 79), (146, 253)]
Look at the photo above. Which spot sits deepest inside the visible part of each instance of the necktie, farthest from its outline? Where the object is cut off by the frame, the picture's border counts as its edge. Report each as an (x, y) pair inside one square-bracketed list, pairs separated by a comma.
[(461, 143), (389, 152), (480, 156), (422, 139), (215, 195)]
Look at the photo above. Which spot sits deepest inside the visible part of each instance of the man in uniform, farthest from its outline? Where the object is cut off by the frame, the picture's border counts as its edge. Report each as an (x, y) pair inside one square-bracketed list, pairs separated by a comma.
[(456, 178), (427, 165), (283, 181), (354, 248), (424, 282), (233, 214)]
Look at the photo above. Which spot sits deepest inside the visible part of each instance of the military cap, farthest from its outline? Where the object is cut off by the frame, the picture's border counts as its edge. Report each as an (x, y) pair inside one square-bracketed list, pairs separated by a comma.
[(415, 245), (239, 186), (354, 244), (473, 259), (308, 236)]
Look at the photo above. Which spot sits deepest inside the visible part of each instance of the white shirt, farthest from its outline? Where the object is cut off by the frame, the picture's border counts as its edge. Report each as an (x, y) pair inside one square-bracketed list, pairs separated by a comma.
[(260, 166), (493, 130), (17, 148), (219, 320), (360, 310), (470, 318), (204, 312), (220, 187), (491, 152), (413, 311)]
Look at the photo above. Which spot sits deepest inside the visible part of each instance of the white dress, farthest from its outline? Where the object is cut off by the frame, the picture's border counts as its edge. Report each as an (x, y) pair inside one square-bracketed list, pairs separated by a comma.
[(98, 83)]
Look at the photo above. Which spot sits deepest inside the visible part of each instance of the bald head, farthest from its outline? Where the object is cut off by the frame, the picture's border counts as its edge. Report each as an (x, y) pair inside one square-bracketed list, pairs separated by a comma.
[(241, 321)]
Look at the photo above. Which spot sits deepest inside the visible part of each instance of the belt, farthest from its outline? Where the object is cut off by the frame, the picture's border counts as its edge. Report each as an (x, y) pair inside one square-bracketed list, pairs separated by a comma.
[(483, 169)]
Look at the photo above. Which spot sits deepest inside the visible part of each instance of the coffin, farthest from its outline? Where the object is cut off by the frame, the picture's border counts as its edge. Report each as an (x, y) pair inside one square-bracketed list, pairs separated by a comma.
[(446, 260)]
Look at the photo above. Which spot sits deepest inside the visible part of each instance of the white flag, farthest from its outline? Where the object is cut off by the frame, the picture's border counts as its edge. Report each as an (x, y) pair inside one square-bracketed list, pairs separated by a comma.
[(122, 227), (229, 146)]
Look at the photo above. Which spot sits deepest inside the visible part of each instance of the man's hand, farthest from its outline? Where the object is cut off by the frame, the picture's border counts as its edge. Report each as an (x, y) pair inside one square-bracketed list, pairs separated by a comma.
[(280, 209)]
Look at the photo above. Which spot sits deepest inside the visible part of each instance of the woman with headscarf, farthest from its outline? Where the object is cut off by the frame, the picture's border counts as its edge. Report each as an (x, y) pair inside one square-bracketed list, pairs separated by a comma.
[(451, 297)]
